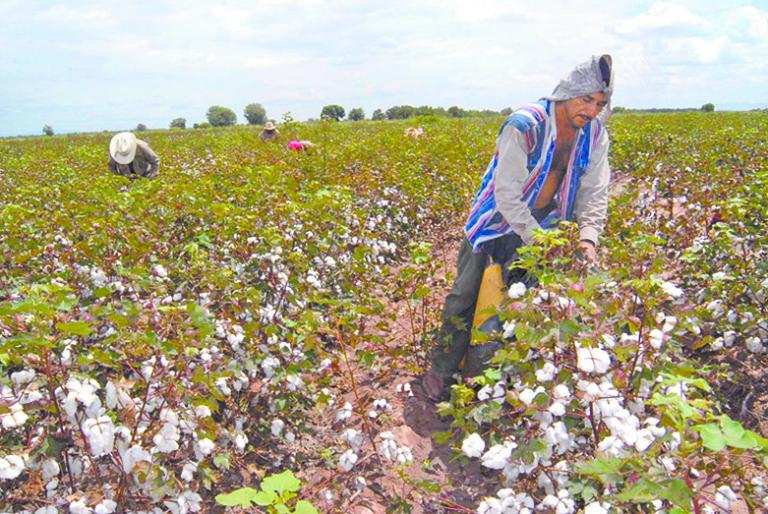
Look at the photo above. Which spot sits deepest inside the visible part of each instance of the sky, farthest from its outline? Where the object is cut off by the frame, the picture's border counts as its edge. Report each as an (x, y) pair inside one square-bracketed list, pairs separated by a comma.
[(82, 65)]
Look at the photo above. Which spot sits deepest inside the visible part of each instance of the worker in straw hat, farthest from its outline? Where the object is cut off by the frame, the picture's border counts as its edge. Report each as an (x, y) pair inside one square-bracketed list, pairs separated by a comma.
[(270, 132), (131, 157)]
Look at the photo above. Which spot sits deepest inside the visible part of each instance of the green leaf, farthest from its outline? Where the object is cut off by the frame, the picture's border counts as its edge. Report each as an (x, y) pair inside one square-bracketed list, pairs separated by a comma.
[(677, 492), (264, 498), (736, 436), (282, 509), (238, 498), (76, 328), (304, 507), (281, 483), (642, 491), (711, 436), (607, 469)]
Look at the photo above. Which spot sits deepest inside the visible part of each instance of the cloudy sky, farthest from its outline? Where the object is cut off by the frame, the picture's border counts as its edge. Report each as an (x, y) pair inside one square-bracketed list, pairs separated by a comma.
[(82, 65)]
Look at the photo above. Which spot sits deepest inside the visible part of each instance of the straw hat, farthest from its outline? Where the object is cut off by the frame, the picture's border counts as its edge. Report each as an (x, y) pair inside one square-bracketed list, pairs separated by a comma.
[(269, 126), (122, 147)]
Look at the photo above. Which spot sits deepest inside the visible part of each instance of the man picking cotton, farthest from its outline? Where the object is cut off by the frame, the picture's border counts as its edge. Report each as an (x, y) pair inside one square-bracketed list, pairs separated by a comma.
[(131, 157), (550, 164)]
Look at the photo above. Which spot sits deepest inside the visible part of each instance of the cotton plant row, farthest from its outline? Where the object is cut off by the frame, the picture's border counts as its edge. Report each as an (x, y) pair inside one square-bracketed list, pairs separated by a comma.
[(152, 375), (589, 393)]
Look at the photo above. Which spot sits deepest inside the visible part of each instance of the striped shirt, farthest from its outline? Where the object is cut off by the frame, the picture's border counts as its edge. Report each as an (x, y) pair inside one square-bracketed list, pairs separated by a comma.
[(519, 168)]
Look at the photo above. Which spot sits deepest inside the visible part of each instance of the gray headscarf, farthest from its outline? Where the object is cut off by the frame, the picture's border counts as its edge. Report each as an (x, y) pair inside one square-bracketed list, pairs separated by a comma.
[(592, 76)]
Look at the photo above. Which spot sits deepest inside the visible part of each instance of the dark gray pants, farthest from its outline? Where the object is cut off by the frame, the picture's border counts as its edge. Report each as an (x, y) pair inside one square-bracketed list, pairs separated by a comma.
[(459, 309)]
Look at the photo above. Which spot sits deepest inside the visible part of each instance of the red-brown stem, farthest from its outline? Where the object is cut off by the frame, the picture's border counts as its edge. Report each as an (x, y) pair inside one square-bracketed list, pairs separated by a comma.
[(359, 403)]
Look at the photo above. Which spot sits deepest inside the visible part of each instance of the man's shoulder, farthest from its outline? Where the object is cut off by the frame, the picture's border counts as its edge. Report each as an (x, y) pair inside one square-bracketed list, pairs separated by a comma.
[(528, 117)]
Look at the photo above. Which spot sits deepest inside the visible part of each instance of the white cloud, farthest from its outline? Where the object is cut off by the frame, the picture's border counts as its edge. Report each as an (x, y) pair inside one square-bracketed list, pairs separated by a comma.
[(663, 16)]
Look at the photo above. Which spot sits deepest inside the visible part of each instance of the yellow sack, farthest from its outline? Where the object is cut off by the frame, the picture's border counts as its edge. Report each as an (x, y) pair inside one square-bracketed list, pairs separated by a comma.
[(490, 296)]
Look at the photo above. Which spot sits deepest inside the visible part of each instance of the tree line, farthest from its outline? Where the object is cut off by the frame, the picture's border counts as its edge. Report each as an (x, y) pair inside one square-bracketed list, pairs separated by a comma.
[(256, 114)]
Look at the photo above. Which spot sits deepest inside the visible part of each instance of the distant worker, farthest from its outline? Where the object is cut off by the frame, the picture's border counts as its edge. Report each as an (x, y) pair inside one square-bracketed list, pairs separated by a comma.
[(131, 157), (414, 132), (297, 145), (270, 132)]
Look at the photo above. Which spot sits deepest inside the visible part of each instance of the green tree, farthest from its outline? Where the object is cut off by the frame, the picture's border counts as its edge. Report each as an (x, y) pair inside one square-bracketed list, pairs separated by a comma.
[(455, 111), (201, 125), (179, 123), (333, 111), (708, 107), (356, 114), (506, 111), (48, 130), (141, 127), (378, 115), (255, 114), (219, 116)]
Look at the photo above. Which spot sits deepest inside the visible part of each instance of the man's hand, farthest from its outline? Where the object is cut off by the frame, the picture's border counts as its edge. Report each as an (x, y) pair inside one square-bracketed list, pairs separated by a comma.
[(587, 248)]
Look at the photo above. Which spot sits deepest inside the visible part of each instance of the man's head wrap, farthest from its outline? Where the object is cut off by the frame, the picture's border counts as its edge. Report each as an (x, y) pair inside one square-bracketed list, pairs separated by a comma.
[(592, 76)]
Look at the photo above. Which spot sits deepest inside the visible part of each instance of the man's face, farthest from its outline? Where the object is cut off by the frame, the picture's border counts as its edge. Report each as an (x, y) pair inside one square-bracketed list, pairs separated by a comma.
[(581, 110)]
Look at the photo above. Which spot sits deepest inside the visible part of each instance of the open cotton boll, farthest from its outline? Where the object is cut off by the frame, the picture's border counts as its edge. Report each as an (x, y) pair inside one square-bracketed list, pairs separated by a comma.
[(498, 455), (347, 460), (11, 466), (473, 446), (516, 290), (593, 360)]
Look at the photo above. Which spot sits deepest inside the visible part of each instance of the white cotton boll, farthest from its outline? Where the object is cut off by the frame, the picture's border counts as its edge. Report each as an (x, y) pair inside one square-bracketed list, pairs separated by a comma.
[(597, 508), (716, 308), (167, 439), (345, 412), (608, 340), (724, 497), (509, 329), (676, 441), (221, 385), (729, 338), (718, 344), (241, 441), (498, 455), (403, 455), (755, 345), (188, 471), (277, 427), (669, 324), (353, 438), (294, 382), (134, 455), (562, 392), (105, 507), (557, 409), (381, 404), (388, 449), (484, 393), (644, 440), (528, 395), (290, 437), (79, 507), (669, 464), (16, 417), (671, 290), (268, 366), (656, 338), (50, 469), (48, 509), (206, 446), (593, 360), (159, 271), (546, 373), (21, 378), (11, 466), (100, 433), (490, 506), (516, 290), (347, 460), (473, 446), (202, 411)]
